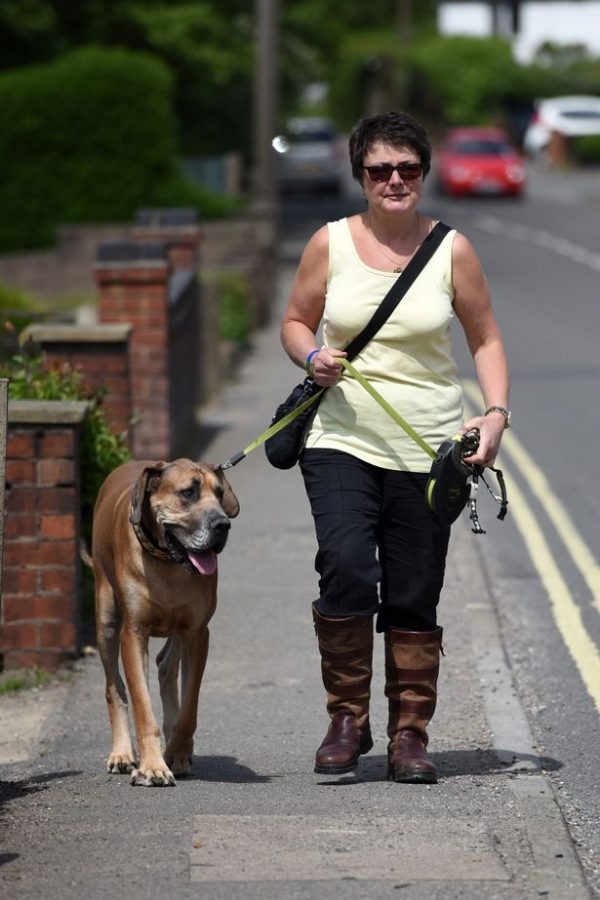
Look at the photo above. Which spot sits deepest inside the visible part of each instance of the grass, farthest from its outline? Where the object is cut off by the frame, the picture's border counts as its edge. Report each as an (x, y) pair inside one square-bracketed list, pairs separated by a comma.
[(35, 677)]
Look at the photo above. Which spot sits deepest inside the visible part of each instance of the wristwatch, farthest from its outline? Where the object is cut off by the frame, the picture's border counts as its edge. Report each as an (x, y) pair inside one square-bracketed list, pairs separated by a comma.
[(503, 411)]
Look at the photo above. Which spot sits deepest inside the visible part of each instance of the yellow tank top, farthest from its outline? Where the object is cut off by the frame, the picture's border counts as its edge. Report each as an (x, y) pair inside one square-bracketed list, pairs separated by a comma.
[(409, 361)]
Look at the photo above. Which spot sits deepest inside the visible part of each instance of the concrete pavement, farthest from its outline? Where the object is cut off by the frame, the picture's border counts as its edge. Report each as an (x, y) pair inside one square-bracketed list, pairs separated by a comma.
[(254, 821)]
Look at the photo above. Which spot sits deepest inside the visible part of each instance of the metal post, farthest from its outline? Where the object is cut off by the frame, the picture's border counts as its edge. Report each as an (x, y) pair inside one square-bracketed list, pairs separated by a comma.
[(3, 431)]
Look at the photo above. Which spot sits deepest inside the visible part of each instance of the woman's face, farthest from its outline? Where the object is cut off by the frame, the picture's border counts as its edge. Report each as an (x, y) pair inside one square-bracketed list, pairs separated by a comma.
[(394, 193)]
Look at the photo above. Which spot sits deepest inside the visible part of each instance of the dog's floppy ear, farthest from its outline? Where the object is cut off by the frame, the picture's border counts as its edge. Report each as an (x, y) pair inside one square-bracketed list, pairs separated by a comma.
[(230, 502), (143, 486)]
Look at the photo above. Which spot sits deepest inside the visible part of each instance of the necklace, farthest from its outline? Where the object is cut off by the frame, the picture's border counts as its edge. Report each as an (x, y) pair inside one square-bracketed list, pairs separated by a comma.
[(398, 268)]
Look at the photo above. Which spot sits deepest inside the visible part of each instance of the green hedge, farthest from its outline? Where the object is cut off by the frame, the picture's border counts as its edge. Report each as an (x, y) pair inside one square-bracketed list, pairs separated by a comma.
[(235, 321), (88, 138), (464, 80), (586, 149)]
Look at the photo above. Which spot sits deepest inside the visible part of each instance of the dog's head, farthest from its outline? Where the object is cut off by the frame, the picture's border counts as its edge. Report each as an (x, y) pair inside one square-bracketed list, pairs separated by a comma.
[(184, 508)]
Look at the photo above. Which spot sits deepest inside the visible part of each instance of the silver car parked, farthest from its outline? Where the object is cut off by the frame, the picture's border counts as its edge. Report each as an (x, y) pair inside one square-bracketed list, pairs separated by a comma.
[(310, 156)]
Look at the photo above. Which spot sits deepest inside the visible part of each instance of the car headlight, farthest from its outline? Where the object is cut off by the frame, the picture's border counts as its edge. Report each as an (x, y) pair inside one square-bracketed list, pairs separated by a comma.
[(516, 173), (280, 144), (459, 173)]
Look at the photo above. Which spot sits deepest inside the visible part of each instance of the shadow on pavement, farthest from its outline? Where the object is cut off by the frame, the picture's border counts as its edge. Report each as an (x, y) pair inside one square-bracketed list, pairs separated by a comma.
[(454, 764), (224, 769), (16, 790)]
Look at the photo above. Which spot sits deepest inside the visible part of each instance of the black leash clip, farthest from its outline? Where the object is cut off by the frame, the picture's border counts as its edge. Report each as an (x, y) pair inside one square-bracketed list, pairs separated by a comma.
[(470, 443), (502, 498)]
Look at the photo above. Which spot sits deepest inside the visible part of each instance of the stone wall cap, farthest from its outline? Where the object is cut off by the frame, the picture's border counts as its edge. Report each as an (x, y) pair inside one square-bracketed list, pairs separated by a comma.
[(132, 253), (47, 412), (85, 334), (167, 217)]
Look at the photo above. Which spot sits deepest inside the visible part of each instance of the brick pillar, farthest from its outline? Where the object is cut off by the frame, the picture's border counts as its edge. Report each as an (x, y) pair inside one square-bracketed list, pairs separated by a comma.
[(101, 354), (40, 614), (3, 424), (178, 228), (133, 283), (558, 152)]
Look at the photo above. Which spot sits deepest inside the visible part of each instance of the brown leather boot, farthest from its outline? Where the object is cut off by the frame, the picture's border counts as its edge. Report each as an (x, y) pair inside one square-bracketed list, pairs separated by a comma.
[(346, 647), (411, 671)]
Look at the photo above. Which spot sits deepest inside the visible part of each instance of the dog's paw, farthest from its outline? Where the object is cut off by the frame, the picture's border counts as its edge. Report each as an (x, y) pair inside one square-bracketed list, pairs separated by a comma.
[(179, 761), (120, 763), (148, 776)]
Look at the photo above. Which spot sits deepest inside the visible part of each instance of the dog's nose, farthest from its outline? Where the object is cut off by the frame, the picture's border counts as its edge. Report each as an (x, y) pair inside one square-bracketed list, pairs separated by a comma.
[(221, 526), (220, 531)]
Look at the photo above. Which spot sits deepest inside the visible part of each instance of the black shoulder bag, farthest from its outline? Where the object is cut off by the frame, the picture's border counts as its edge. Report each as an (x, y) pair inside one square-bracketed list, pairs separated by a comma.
[(283, 449)]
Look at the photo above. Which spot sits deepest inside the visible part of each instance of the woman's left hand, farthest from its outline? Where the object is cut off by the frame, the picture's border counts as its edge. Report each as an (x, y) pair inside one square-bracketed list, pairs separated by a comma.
[(326, 369), (491, 428)]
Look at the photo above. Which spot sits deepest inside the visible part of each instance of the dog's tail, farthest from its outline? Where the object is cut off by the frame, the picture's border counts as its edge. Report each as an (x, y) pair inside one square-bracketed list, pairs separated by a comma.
[(84, 554)]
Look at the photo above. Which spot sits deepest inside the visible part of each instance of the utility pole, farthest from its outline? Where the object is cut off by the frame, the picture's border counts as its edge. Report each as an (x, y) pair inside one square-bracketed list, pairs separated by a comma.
[(404, 14), (264, 207), (265, 99)]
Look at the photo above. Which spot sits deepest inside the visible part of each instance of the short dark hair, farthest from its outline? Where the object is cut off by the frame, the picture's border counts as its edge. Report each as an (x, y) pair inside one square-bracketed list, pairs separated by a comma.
[(394, 128)]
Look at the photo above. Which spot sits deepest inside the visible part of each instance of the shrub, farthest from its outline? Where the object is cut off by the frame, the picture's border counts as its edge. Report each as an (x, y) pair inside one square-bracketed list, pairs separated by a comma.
[(17, 310), (586, 149), (364, 60), (101, 450), (234, 313), (464, 80), (90, 137)]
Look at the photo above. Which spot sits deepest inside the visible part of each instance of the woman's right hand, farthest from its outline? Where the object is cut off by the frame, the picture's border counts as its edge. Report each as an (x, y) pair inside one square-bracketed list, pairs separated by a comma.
[(325, 368)]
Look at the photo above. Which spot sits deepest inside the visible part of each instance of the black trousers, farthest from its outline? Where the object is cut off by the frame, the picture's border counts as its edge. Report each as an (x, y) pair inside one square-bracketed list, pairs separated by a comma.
[(380, 548)]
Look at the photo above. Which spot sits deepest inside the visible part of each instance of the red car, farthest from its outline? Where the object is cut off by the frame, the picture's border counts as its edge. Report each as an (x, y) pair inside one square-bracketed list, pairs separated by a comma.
[(480, 161)]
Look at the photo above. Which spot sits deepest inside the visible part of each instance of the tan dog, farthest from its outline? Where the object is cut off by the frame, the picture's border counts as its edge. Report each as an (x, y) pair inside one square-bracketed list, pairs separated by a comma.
[(157, 529)]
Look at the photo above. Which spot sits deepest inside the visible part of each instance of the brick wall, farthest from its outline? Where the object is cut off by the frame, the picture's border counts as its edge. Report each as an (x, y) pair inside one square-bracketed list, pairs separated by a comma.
[(40, 615), (133, 283), (139, 286), (3, 421), (101, 354), (65, 270), (177, 228)]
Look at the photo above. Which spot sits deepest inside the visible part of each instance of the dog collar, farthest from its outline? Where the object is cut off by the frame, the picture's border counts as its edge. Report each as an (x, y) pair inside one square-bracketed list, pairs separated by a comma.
[(147, 544)]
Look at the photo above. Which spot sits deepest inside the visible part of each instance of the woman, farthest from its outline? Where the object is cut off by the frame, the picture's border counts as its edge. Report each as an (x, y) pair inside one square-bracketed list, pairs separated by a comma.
[(380, 550)]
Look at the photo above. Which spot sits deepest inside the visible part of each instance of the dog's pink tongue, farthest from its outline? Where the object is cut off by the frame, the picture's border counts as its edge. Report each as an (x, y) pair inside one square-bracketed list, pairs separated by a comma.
[(205, 562)]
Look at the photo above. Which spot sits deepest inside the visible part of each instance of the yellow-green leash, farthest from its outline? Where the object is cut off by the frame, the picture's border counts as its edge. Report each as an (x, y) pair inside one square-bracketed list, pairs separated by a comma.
[(282, 423), (388, 409)]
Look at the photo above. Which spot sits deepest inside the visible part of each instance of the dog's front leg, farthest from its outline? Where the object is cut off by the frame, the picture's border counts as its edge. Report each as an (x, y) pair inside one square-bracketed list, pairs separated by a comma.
[(168, 668), (152, 770), (108, 628), (181, 742)]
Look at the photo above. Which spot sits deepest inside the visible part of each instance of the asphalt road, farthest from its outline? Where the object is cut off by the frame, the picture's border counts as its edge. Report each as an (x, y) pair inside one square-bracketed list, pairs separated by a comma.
[(515, 737)]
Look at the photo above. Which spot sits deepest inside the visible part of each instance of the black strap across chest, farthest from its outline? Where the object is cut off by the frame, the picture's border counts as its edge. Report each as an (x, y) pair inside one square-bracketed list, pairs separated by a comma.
[(398, 289)]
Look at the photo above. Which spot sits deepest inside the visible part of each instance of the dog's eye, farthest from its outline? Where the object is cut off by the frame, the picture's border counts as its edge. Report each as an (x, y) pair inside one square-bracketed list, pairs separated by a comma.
[(187, 493)]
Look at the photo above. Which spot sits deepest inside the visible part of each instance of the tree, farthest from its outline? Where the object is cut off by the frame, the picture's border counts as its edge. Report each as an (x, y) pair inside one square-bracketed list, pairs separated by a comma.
[(209, 47)]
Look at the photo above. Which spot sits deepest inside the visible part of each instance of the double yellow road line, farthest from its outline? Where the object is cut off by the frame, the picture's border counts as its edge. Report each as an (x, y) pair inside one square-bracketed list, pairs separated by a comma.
[(566, 612)]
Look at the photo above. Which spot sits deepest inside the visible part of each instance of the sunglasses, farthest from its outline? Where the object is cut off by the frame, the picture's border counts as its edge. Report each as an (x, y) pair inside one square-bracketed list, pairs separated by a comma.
[(383, 172)]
